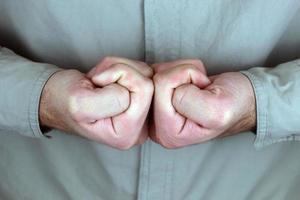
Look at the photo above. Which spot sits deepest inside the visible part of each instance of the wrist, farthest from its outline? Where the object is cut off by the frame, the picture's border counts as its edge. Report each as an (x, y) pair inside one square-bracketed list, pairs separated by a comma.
[(251, 112), (47, 118), (249, 119), (246, 117), (44, 117)]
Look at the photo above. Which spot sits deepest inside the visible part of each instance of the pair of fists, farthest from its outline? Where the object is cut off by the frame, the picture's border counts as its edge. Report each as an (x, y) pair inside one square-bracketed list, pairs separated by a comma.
[(110, 104)]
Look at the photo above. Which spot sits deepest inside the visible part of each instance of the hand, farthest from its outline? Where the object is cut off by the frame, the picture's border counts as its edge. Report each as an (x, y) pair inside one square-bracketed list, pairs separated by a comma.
[(108, 105), (199, 109)]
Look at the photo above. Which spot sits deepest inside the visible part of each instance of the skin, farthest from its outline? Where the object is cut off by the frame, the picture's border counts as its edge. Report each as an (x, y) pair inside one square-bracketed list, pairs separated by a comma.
[(191, 108), (109, 105)]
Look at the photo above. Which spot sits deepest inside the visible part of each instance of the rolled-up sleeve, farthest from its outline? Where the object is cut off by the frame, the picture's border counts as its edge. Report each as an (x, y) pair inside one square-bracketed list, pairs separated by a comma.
[(277, 93), (21, 85)]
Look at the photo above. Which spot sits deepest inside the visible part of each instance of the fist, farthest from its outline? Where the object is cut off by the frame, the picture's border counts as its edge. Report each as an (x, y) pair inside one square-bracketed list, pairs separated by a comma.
[(190, 108), (172, 129), (108, 105)]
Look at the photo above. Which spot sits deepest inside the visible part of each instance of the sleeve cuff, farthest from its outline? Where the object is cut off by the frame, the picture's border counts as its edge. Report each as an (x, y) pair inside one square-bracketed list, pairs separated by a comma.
[(261, 110), (36, 92), (263, 134)]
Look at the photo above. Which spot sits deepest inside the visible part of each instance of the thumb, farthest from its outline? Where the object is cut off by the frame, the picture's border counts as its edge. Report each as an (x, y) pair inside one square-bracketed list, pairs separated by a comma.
[(195, 104), (101, 103)]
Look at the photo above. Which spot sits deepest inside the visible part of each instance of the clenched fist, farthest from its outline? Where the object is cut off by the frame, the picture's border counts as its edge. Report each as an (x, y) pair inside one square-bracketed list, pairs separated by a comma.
[(191, 108), (108, 105)]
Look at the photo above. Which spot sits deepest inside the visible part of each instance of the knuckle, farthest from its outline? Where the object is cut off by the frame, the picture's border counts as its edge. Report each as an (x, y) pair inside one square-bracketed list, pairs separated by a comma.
[(200, 65), (122, 68), (158, 78), (198, 62), (189, 69), (147, 71), (107, 59), (151, 71), (148, 86)]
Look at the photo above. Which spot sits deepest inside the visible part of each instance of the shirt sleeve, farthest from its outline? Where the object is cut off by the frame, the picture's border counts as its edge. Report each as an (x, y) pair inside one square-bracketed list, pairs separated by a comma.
[(21, 84), (277, 93)]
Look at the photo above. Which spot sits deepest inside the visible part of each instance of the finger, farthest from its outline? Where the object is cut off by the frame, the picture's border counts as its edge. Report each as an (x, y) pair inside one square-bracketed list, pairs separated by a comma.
[(107, 62), (182, 74), (198, 105), (193, 133), (100, 103), (123, 75), (159, 67), (143, 68)]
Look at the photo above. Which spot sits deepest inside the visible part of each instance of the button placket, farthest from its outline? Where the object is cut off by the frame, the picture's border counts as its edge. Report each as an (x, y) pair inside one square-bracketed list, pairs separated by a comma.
[(162, 43)]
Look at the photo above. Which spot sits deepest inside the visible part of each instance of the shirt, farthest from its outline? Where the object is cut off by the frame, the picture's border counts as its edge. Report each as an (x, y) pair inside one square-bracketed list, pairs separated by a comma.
[(259, 38)]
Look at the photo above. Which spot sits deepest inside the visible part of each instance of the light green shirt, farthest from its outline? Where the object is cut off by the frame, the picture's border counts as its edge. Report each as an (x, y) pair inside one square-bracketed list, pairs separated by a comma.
[(259, 38)]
